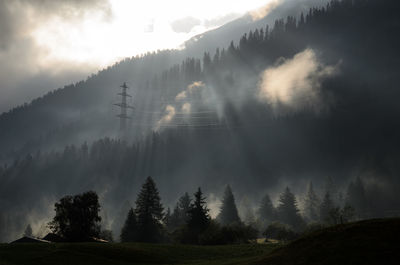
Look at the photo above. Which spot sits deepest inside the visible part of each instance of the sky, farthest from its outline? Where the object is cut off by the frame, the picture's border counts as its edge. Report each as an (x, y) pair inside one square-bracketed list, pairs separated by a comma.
[(46, 44)]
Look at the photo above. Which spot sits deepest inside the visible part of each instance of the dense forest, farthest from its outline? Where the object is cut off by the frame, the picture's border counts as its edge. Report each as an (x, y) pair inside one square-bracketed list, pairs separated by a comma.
[(216, 120)]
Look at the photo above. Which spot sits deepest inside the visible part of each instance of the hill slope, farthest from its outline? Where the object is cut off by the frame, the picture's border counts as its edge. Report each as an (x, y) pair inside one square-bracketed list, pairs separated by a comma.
[(365, 242), (128, 254), (246, 143), (368, 242)]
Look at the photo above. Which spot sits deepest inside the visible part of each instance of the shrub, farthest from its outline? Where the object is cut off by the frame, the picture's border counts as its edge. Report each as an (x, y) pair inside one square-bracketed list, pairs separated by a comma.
[(280, 231)]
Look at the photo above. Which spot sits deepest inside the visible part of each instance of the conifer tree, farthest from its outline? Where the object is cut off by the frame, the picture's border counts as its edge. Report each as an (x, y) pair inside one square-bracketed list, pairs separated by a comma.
[(331, 188), (311, 204), (246, 212), (128, 232), (149, 212), (28, 231), (199, 218), (267, 211), (288, 211), (326, 208), (347, 213), (228, 213), (356, 197), (175, 219), (183, 205)]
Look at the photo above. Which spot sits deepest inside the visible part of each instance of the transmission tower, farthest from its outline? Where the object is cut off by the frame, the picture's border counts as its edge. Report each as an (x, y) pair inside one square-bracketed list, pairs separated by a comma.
[(124, 107)]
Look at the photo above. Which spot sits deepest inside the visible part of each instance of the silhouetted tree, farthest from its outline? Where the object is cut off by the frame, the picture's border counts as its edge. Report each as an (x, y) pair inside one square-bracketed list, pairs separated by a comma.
[(326, 209), (77, 217), (311, 204), (183, 207), (247, 212), (287, 210), (357, 198), (267, 211), (347, 213), (149, 212), (199, 218), (129, 230), (228, 212), (331, 188)]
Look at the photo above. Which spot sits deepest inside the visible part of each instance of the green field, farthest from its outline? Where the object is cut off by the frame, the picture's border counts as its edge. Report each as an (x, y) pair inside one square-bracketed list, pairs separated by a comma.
[(366, 242)]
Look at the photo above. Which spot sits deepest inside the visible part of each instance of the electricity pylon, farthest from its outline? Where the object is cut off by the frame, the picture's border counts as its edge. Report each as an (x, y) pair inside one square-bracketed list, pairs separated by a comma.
[(123, 116)]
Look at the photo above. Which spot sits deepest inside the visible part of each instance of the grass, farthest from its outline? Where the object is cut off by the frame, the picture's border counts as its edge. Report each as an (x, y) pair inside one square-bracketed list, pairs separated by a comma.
[(367, 242), (132, 253)]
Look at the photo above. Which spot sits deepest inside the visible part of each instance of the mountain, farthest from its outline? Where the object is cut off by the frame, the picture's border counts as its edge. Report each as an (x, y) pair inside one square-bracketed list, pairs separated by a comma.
[(84, 111), (234, 30), (313, 96)]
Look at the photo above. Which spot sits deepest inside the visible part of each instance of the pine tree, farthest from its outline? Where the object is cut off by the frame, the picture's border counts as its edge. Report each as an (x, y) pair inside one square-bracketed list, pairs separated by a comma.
[(311, 204), (356, 197), (331, 188), (149, 212), (246, 212), (128, 232), (28, 231), (175, 219), (228, 214), (288, 211), (347, 213), (180, 214), (199, 218), (267, 211), (326, 208), (183, 205)]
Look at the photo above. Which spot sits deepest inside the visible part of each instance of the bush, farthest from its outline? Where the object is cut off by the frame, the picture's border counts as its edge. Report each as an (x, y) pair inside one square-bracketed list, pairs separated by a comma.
[(215, 234), (230, 234), (280, 231)]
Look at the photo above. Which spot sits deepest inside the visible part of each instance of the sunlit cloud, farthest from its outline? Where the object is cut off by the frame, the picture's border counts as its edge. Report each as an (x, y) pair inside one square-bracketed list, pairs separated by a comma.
[(264, 10), (133, 27), (170, 113), (295, 83)]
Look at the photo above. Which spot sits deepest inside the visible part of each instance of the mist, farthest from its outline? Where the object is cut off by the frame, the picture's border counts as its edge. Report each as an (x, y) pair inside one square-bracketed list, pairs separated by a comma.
[(296, 103)]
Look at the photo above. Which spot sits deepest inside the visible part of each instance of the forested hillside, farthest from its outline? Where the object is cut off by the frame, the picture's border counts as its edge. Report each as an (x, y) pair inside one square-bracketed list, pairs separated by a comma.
[(220, 119)]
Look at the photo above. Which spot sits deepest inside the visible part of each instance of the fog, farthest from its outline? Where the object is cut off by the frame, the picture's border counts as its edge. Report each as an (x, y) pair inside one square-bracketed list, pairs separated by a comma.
[(260, 115)]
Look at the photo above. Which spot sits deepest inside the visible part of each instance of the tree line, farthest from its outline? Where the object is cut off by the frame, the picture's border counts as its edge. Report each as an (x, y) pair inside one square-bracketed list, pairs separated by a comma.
[(77, 217)]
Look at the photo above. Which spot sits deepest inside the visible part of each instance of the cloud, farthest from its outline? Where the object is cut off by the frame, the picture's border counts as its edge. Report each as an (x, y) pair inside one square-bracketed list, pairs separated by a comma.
[(190, 91), (185, 24), (295, 83), (26, 70), (194, 85), (167, 118), (186, 108), (221, 20), (264, 10), (19, 18)]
